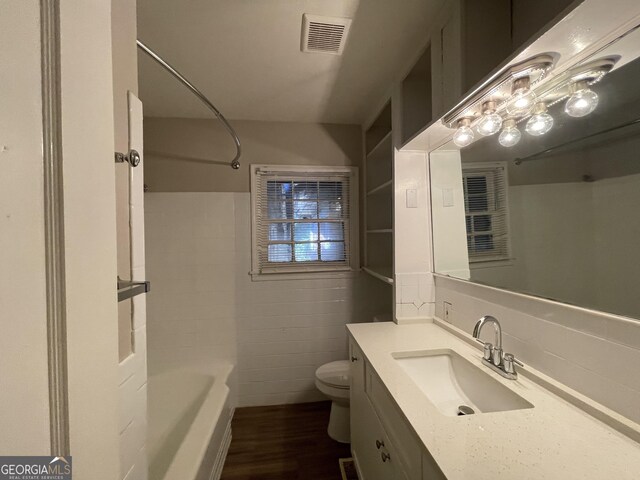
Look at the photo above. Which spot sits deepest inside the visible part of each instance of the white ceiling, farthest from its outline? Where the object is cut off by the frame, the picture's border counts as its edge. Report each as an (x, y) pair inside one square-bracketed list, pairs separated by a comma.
[(245, 56)]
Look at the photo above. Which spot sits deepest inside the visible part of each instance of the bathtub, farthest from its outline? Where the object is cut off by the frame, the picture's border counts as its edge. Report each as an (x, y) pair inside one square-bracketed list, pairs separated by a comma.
[(189, 426)]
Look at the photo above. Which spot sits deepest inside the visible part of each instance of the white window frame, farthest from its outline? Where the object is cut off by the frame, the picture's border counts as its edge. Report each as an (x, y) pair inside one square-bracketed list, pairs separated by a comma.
[(480, 261), (297, 271)]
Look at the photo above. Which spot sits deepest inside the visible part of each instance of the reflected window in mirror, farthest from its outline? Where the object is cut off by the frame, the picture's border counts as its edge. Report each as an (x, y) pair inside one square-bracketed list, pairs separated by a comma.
[(486, 212)]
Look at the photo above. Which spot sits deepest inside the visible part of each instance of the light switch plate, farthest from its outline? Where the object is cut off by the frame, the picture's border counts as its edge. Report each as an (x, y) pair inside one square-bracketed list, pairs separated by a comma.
[(412, 198), (447, 197)]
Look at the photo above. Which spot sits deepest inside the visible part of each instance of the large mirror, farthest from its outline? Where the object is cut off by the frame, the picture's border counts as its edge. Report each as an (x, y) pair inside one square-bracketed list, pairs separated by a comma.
[(552, 209)]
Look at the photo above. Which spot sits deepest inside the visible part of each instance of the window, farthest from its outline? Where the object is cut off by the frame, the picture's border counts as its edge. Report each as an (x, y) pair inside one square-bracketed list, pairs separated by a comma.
[(486, 216), (302, 219)]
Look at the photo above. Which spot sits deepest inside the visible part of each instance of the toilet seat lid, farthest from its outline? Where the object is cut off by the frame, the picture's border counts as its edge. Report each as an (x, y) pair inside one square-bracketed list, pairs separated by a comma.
[(335, 374)]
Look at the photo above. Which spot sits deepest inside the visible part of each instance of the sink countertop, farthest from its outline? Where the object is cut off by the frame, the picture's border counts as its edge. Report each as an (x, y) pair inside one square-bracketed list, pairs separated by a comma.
[(554, 440)]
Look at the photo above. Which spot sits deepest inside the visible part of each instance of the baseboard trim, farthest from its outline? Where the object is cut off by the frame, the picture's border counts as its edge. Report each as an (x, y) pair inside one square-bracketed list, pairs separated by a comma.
[(216, 472)]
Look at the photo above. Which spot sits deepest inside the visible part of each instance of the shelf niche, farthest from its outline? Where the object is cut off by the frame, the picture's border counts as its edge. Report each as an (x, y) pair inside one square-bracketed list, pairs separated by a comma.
[(378, 198)]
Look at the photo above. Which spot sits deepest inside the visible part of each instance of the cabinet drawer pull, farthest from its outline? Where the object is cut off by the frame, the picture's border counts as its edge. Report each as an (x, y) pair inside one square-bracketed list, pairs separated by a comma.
[(379, 444), (385, 456), (354, 358)]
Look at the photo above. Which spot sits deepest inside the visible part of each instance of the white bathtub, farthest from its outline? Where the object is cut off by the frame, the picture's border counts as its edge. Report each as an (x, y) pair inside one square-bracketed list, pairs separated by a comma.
[(189, 424)]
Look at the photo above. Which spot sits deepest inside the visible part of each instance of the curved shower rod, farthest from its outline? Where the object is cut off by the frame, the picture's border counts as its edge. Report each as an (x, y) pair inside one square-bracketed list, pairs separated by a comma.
[(235, 163)]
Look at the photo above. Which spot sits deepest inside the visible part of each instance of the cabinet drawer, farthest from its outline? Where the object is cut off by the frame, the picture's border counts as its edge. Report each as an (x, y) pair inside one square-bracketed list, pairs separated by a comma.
[(407, 445)]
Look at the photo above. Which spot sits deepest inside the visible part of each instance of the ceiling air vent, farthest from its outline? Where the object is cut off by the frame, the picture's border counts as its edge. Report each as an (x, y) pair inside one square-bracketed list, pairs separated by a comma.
[(324, 34)]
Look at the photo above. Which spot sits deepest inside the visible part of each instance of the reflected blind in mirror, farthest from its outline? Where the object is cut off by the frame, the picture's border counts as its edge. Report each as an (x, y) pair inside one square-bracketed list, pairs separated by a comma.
[(486, 215)]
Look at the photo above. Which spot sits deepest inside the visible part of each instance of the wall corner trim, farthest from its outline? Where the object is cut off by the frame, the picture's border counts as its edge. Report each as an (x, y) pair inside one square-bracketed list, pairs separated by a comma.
[(54, 227)]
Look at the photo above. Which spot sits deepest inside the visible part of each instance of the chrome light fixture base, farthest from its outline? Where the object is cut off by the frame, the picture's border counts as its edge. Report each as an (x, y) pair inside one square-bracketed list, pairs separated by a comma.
[(499, 88)]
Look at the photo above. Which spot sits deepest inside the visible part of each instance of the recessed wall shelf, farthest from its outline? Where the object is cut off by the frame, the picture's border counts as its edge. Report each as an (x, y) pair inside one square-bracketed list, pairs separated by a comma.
[(381, 273), (128, 289), (378, 201), (386, 187), (382, 144), (416, 89)]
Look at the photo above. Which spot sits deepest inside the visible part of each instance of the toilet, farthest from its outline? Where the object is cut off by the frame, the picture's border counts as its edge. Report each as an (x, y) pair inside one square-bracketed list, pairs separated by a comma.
[(333, 379)]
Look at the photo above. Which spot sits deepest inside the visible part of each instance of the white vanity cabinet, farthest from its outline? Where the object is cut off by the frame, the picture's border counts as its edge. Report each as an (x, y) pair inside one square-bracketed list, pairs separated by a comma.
[(383, 444)]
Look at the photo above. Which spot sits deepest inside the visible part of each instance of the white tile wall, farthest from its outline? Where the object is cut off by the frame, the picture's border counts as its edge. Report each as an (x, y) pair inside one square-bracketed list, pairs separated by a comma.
[(191, 266), (287, 329), (414, 289), (133, 369), (415, 296), (594, 353), (199, 258)]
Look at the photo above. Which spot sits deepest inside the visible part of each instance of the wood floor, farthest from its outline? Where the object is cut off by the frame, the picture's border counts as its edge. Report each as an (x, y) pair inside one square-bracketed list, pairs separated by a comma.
[(283, 442)]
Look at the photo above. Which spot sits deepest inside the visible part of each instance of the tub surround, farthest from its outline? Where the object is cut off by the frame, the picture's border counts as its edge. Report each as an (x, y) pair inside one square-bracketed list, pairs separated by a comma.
[(554, 436)]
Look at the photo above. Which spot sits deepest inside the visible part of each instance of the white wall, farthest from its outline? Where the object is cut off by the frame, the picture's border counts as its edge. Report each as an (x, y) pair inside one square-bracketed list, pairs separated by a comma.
[(133, 368), (448, 212), (24, 400), (90, 237), (617, 224), (199, 258), (191, 155), (288, 328), (127, 117), (190, 245), (125, 79), (414, 289), (573, 242)]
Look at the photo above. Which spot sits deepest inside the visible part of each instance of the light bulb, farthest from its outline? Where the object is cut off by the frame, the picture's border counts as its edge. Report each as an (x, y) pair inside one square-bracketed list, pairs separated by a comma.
[(464, 134), (540, 122), (522, 98), (490, 122), (582, 101), (510, 134)]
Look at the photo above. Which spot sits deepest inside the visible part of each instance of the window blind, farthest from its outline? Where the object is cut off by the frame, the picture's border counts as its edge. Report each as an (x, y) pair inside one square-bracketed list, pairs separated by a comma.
[(486, 215), (302, 221)]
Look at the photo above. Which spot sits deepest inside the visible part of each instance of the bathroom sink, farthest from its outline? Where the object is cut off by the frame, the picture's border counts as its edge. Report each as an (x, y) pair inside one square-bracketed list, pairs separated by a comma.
[(456, 386)]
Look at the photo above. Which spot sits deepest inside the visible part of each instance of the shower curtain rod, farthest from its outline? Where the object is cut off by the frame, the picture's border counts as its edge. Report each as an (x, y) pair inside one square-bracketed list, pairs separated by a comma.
[(235, 164)]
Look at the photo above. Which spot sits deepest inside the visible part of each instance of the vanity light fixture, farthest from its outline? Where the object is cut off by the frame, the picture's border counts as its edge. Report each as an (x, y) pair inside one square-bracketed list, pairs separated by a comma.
[(582, 101), (490, 122), (464, 134), (510, 134), (522, 93), (540, 122), (522, 98)]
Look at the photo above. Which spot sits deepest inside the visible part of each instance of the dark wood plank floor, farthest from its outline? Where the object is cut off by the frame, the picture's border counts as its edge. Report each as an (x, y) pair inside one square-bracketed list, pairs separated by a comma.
[(283, 442)]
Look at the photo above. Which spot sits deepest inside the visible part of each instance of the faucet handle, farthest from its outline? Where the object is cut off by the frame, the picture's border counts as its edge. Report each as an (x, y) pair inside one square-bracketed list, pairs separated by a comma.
[(509, 361), (488, 351)]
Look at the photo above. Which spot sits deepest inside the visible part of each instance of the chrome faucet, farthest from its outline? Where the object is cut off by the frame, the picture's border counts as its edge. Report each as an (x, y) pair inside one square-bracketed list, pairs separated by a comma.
[(493, 356)]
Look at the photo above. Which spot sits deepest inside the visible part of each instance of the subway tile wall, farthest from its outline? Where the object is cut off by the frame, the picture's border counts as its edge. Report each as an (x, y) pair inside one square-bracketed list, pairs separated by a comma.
[(133, 368), (191, 266), (288, 328), (594, 353), (205, 305)]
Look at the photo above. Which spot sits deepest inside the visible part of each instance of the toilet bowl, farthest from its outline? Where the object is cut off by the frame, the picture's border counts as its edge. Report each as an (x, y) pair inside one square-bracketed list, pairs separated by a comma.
[(333, 379)]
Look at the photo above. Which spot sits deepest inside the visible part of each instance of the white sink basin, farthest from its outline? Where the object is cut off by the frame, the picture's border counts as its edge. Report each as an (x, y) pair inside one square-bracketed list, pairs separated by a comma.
[(449, 381)]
